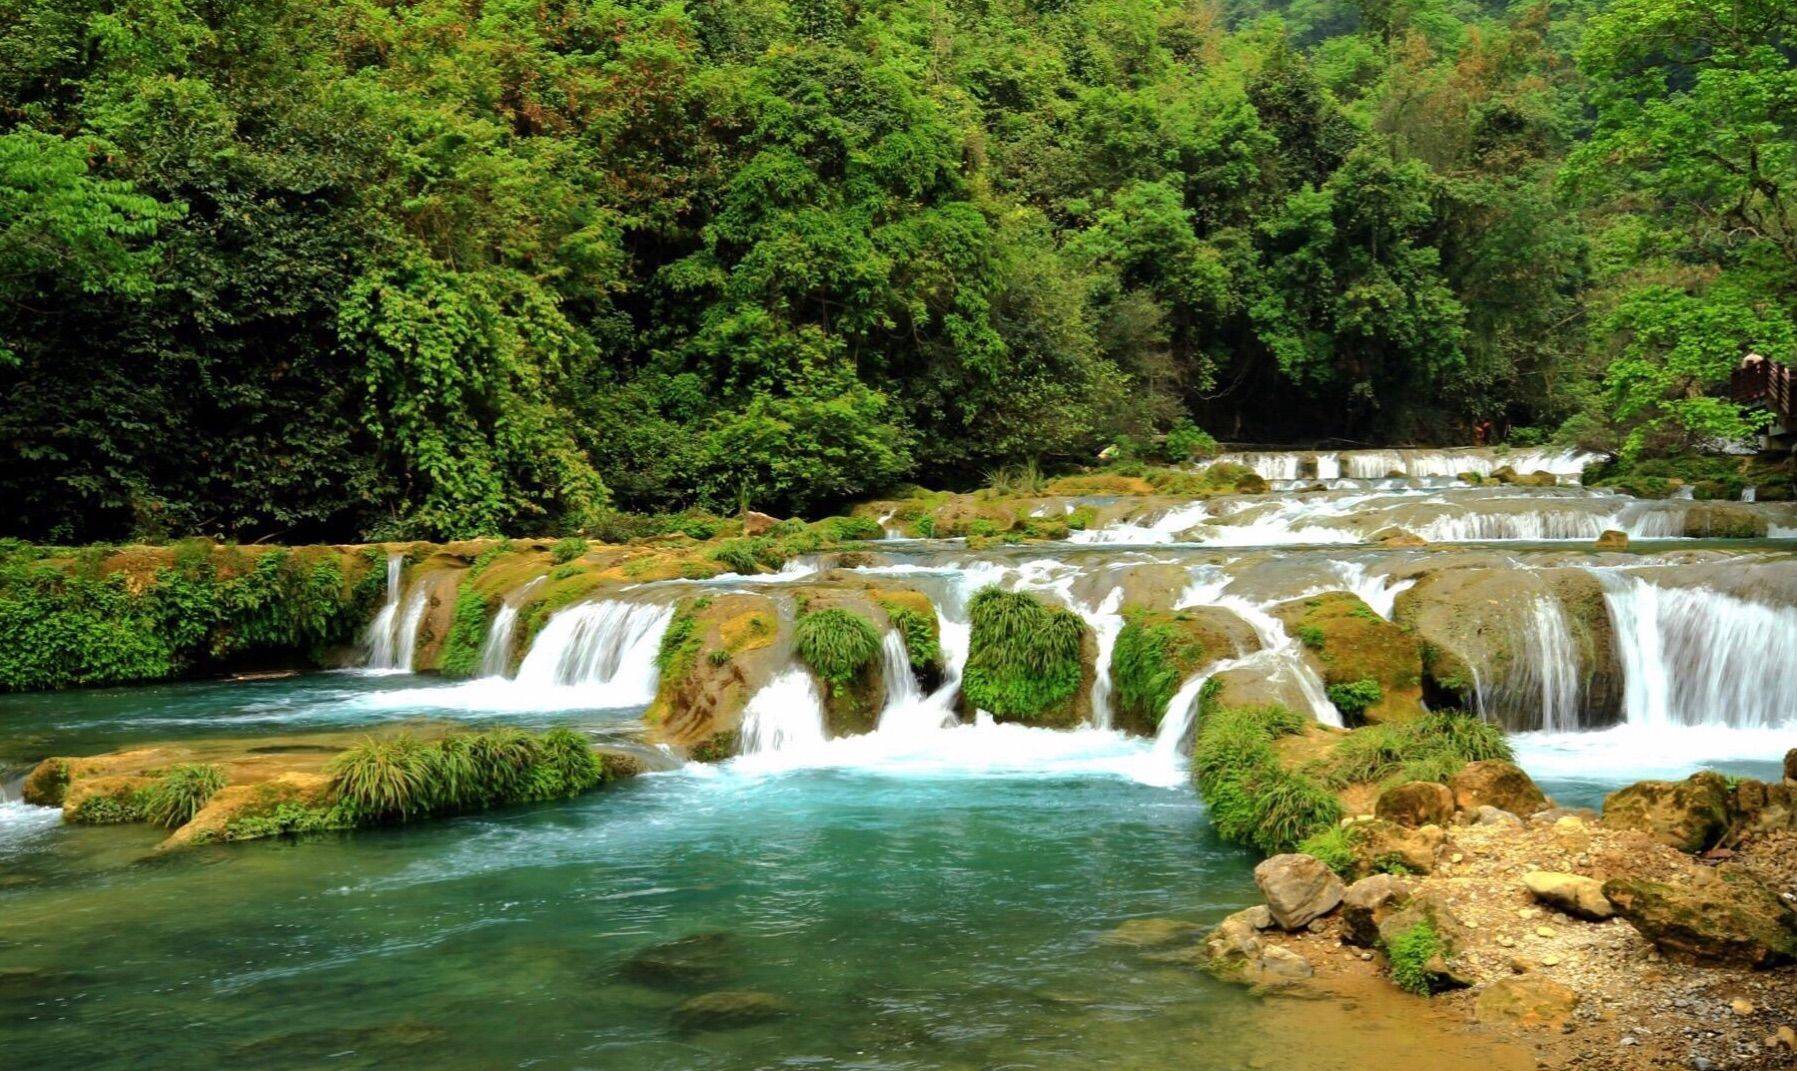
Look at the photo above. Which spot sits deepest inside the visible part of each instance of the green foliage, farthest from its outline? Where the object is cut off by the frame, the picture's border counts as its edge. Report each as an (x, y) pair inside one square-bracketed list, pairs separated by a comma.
[(386, 777), (467, 637), (566, 550), (680, 643), (843, 529), (1148, 664), (1024, 655), (400, 777), (1333, 848), (179, 792), (1430, 748), (837, 644), (113, 808), (1353, 698), (922, 645), (1310, 636), (1251, 797), (1409, 953)]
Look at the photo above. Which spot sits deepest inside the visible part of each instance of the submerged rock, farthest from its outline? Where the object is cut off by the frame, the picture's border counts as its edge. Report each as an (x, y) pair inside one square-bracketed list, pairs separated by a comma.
[(1724, 916), (729, 1009), (1298, 888), (1495, 783), (695, 960), (1571, 893), (1415, 804), (1529, 999), (1151, 933), (1612, 540), (1689, 815)]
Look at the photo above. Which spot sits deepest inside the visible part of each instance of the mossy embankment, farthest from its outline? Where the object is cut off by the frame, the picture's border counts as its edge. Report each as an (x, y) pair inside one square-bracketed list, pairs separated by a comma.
[(1157, 651), (1028, 661), (235, 790), (1718, 477), (1372, 668)]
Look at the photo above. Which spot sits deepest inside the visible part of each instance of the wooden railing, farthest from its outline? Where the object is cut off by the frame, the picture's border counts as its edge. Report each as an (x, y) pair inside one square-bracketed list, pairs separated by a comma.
[(1766, 383)]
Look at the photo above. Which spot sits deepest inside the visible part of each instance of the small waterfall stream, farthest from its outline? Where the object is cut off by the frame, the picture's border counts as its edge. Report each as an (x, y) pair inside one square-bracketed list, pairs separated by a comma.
[(608, 647), (496, 652), (1543, 688), (381, 639), (786, 715)]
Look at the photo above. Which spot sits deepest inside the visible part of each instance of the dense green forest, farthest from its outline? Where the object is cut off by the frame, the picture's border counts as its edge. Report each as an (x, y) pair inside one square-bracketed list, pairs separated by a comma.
[(305, 269)]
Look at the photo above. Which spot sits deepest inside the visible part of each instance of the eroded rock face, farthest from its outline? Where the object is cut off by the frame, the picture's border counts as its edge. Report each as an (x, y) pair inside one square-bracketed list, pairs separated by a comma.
[(1722, 916), (1348, 644), (1612, 540), (1528, 999), (1791, 765), (1381, 845), (1495, 783), (1572, 893), (1415, 804), (1690, 815), (1298, 888)]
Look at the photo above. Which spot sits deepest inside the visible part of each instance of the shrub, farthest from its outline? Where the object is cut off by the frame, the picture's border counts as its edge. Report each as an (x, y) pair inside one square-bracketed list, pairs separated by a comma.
[(837, 644), (1148, 664), (1024, 656), (1354, 697), (843, 529), (387, 777), (467, 635), (566, 550), (922, 645), (1186, 441), (566, 766), (748, 555), (1430, 748), (1310, 636), (1251, 798), (681, 642), (115, 808), (179, 792), (1408, 954), (1333, 848)]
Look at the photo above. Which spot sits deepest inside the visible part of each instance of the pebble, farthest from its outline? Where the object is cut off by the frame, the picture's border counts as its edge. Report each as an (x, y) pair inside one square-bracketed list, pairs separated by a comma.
[(1741, 1007), (1788, 1038), (1526, 913), (1505, 942), (1457, 857), (1544, 931), (1550, 961)]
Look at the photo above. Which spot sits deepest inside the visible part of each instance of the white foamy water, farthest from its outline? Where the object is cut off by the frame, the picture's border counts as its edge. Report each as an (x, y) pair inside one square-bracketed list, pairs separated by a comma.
[(22, 823), (390, 639), (786, 717), (1624, 753), (1165, 527), (1542, 689), (1172, 737), (1281, 657), (496, 652)]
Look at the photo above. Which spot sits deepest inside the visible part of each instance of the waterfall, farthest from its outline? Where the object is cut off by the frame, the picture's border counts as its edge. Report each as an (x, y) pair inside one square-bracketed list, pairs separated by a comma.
[(496, 652), (381, 639), (1177, 721), (787, 714), (1329, 467), (895, 667), (608, 645), (1164, 527), (1542, 689), (1282, 654), (1692, 656), (1106, 624), (1380, 593), (1750, 494)]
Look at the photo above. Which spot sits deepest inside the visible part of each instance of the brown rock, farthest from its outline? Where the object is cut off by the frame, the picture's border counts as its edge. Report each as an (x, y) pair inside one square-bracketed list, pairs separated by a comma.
[(1528, 999), (729, 1009), (1367, 902), (1495, 783), (1276, 966), (1791, 765), (1381, 845), (1298, 888), (1571, 893), (757, 524), (1612, 540), (1719, 916), (1689, 815), (1416, 804)]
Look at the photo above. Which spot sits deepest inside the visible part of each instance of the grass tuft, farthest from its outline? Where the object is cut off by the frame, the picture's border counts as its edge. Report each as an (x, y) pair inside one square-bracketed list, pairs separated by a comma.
[(178, 794), (837, 644), (1024, 657)]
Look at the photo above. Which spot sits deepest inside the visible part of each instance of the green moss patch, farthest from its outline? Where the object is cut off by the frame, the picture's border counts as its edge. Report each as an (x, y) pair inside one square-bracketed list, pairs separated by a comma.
[(1377, 666), (1154, 655)]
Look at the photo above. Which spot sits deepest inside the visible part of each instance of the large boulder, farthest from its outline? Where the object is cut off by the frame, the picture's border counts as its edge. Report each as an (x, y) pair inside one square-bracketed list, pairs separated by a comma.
[(694, 960), (1443, 969), (1298, 888), (1527, 999), (1415, 804), (1690, 815), (1350, 644), (1496, 783), (1381, 846), (1367, 902), (1235, 951), (1721, 916), (1574, 894)]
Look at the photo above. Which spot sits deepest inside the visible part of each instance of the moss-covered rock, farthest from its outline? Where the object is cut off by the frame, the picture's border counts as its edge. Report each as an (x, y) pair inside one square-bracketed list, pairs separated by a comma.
[(1028, 660), (1351, 644), (1155, 653), (717, 652), (1690, 815), (1721, 916)]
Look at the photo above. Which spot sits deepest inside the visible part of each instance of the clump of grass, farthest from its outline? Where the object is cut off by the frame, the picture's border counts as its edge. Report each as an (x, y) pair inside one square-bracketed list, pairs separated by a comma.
[(837, 644), (390, 777), (467, 635), (1252, 798), (1148, 664), (1024, 479), (566, 550), (1333, 848), (845, 529), (1310, 636), (114, 808), (922, 645), (179, 792), (749, 555), (1353, 698), (1430, 748), (1023, 658), (1408, 954)]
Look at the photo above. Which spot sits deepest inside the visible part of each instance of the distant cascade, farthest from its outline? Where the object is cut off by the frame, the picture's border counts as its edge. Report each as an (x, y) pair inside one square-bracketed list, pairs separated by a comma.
[(1175, 730), (786, 715), (1750, 493), (496, 652), (1268, 465), (1693, 656), (1542, 688), (609, 646), (1164, 527), (1329, 466)]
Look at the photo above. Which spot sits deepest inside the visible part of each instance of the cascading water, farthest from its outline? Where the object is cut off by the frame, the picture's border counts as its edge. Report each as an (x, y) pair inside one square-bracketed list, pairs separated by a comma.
[(1178, 719), (1542, 689), (1106, 623), (386, 643), (496, 652), (1165, 527), (606, 647), (786, 715), (1279, 652), (1698, 657)]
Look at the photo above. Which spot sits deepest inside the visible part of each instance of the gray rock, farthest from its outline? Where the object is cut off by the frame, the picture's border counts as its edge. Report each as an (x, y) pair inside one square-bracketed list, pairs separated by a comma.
[(1298, 888), (1366, 903), (1487, 815)]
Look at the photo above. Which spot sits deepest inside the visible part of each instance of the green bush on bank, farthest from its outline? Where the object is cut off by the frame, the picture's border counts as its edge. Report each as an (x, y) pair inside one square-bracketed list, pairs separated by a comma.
[(74, 625), (1252, 798), (1024, 655), (1150, 661), (1430, 748)]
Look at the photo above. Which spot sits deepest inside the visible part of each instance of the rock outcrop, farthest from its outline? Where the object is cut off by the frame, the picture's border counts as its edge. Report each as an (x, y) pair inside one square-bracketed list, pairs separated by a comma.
[(1367, 902), (1298, 889), (1574, 894), (1722, 916), (1415, 804), (1690, 815), (1351, 645), (1495, 783)]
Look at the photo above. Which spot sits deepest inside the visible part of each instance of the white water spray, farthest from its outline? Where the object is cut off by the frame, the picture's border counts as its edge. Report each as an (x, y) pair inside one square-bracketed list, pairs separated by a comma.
[(786, 715), (496, 652), (606, 648)]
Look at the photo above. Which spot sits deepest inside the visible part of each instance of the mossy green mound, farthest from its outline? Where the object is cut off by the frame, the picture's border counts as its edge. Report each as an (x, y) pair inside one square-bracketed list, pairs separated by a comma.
[(1024, 661)]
